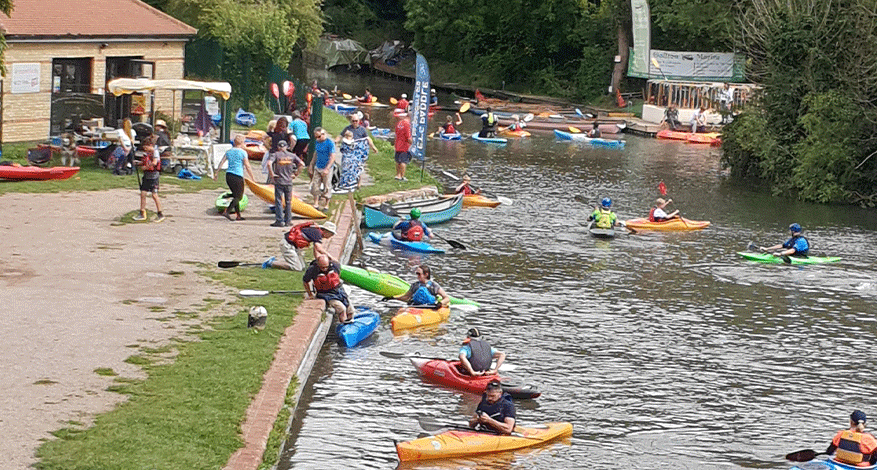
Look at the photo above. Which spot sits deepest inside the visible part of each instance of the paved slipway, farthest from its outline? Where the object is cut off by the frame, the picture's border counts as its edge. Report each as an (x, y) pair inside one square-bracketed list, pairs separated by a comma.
[(68, 275)]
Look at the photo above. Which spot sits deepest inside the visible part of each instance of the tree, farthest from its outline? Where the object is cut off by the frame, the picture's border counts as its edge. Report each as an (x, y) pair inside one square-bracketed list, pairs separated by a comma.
[(5, 7)]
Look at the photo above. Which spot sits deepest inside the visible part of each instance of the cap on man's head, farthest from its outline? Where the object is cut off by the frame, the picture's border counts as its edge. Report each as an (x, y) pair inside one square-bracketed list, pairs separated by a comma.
[(858, 416), (494, 385), (282, 144), (473, 333), (160, 123), (329, 227), (404, 96)]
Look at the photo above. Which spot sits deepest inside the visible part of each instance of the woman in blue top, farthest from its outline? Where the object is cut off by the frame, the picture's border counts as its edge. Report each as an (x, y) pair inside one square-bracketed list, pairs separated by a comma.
[(299, 130), (234, 174)]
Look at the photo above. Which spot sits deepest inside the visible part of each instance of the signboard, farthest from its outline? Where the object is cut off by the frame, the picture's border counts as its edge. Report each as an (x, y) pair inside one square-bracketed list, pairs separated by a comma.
[(420, 110), (642, 35), (25, 78), (688, 66)]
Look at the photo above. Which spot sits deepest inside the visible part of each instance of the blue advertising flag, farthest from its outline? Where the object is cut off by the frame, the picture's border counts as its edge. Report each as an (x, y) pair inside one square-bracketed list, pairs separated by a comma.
[(420, 110)]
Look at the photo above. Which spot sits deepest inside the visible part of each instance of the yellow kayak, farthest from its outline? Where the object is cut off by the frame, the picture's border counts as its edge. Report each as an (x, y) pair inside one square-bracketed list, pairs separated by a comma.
[(673, 225), (465, 443), (476, 200), (265, 192), (411, 317)]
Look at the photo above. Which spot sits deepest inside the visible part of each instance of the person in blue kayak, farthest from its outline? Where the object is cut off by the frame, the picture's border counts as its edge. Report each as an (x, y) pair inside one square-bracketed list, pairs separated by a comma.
[(488, 124), (411, 229), (322, 280), (495, 412), (854, 446), (603, 216), (595, 133), (424, 291), (477, 355), (795, 246), (449, 127)]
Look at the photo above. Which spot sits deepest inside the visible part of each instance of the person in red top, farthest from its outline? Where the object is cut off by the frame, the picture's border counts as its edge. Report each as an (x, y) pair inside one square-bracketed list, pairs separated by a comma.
[(854, 445), (403, 144), (403, 103), (295, 242), (465, 187)]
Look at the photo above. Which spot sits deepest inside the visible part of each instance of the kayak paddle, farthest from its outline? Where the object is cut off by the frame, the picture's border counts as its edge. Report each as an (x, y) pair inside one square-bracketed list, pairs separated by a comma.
[(579, 112), (805, 455), (394, 355), (751, 247), (453, 243), (529, 117), (346, 96), (393, 100), (392, 212), (575, 130), (263, 293), (465, 107), (234, 264)]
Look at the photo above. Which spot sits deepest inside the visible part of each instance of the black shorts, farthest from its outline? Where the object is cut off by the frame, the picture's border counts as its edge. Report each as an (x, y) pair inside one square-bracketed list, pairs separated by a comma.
[(403, 157), (149, 185)]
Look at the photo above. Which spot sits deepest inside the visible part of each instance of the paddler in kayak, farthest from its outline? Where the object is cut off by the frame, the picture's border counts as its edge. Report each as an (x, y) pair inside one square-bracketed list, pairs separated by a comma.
[(366, 97), (411, 229), (496, 412), (798, 245), (488, 124), (295, 242), (424, 291), (476, 355), (658, 214), (603, 216), (433, 98), (322, 280), (517, 125), (854, 446), (595, 133), (465, 187), (449, 126)]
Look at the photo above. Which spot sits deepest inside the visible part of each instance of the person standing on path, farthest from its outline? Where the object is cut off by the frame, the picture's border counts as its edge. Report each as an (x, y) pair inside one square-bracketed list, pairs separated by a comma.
[(234, 175), (297, 240), (283, 168), (355, 152), (402, 145), (320, 168), (299, 129), (149, 184)]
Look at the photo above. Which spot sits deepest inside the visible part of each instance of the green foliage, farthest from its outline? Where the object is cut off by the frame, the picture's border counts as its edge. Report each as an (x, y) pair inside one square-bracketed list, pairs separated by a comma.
[(694, 25)]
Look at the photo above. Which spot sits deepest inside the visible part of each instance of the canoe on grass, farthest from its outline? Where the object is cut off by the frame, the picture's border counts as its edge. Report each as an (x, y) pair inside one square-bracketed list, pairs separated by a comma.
[(224, 200), (387, 239), (597, 141), (365, 322), (447, 373), (770, 258), (672, 225), (35, 173), (475, 200), (412, 317), (265, 192), (383, 284), (432, 211), (465, 443)]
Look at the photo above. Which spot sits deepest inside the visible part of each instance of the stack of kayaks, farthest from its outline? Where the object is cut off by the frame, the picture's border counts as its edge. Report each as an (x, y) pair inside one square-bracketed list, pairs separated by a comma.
[(265, 192), (672, 225), (475, 200), (490, 140), (383, 284), (412, 317), (454, 136), (387, 239), (447, 373), (770, 258), (600, 142), (432, 211), (365, 322), (224, 200), (466, 443)]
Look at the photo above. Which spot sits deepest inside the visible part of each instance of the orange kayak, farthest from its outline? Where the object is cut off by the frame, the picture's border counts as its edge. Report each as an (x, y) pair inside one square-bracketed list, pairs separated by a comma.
[(465, 443), (509, 133), (265, 192), (476, 200), (411, 317), (712, 138), (673, 225)]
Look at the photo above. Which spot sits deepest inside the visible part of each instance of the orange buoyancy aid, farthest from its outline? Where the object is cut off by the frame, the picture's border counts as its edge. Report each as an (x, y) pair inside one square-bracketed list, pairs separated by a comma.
[(325, 282), (297, 239), (848, 448)]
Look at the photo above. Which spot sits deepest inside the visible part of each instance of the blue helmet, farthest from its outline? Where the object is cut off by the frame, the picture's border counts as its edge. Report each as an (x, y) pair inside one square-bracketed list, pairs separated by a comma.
[(606, 202), (795, 228)]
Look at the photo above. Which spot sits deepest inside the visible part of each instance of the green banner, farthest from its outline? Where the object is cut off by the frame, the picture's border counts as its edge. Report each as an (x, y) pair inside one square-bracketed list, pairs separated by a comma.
[(638, 63)]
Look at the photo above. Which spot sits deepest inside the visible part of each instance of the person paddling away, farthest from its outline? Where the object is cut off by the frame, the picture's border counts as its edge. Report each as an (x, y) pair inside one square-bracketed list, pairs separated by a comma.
[(296, 240), (465, 187), (476, 355), (424, 291), (448, 127), (488, 124), (324, 277), (658, 214), (795, 246), (604, 217), (854, 446), (366, 98), (496, 412), (411, 230)]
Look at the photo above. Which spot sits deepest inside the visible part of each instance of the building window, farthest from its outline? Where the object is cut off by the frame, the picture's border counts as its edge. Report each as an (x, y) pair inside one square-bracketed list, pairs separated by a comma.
[(71, 75)]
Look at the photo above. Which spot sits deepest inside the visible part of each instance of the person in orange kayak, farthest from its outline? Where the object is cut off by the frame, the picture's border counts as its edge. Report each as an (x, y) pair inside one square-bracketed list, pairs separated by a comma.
[(517, 124), (854, 445), (424, 291), (322, 280), (411, 229), (658, 214), (495, 412), (465, 187), (477, 355)]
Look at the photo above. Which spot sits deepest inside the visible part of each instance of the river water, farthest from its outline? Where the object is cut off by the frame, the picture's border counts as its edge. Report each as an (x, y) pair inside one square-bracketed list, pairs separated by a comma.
[(665, 350)]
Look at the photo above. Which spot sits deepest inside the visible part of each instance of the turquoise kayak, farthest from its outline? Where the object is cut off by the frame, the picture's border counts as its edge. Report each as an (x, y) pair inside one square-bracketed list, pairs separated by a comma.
[(490, 140), (384, 284), (597, 141), (387, 239), (830, 465), (365, 322), (770, 258)]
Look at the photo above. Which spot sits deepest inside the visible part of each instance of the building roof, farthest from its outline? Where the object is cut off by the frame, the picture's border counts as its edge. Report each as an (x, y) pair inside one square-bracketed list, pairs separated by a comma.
[(83, 19)]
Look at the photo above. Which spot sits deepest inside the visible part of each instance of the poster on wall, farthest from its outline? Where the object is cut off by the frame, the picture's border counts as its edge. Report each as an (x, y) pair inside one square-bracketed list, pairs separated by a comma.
[(25, 78), (690, 66)]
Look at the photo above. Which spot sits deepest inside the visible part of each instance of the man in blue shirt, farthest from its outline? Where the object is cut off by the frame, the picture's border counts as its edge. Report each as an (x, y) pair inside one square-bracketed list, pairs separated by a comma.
[(320, 168), (795, 246), (496, 412)]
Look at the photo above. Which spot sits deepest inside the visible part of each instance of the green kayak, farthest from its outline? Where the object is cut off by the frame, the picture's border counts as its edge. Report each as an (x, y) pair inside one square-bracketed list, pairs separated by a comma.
[(383, 283), (769, 258), (224, 200)]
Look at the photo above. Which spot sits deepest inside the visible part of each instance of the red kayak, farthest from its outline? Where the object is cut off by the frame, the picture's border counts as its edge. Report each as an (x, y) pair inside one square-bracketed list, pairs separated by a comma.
[(447, 373), (23, 173)]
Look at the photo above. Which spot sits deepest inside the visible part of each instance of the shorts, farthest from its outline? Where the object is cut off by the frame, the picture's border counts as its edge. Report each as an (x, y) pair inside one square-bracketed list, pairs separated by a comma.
[(403, 157), (149, 185)]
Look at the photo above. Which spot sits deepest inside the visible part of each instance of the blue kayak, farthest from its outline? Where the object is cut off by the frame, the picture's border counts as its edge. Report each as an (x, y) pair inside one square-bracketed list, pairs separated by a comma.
[(454, 136), (388, 239), (490, 140), (829, 465), (365, 322), (599, 142)]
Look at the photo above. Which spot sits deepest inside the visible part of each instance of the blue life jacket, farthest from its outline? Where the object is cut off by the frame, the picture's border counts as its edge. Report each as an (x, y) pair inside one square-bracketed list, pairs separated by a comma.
[(422, 296)]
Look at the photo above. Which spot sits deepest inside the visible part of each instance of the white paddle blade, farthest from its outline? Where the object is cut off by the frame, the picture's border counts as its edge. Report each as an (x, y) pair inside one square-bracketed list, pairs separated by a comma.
[(253, 293), (504, 200), (507, 367)]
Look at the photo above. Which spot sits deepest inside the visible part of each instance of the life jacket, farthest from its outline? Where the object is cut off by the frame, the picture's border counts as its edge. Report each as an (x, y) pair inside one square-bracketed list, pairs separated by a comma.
[(325, 282), (422, 296), (490, 120), (297, 239), (481, 358), (517, 127), (148, 165), (414, 233), (466, 190), (848, 450), (652, 215), (791, 244), (605, 220), (449, 128)]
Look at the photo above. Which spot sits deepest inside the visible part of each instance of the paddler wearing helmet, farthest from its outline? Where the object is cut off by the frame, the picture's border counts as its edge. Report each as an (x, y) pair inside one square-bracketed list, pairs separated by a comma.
[(603, 216), (798, 245), (411, 229)]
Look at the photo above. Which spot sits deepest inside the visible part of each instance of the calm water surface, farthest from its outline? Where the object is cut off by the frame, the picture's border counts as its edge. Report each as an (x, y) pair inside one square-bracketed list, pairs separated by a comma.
[(665, 350)]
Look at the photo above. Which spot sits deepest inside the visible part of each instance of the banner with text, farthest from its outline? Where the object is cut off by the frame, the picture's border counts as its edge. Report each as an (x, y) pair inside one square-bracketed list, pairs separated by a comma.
[(420, 110), (642, 35), (688, 66)]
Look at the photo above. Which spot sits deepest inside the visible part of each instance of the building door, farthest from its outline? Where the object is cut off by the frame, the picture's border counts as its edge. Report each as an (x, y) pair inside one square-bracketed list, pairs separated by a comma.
[(119, 107), (72, 100)]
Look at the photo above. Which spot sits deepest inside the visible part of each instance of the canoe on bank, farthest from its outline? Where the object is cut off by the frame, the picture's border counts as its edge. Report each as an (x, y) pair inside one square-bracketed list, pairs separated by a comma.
[(597, 141), (265, 192), (447, 373), (465, 443), (770, 258), (672, 225), (35, 173), (432, 211), (476, 200), (365, 322), (387, 239), (383, 284), (412, 317)]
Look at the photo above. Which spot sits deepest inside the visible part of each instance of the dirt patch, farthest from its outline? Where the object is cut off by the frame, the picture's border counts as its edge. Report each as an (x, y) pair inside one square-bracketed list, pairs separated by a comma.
[(83, 292)]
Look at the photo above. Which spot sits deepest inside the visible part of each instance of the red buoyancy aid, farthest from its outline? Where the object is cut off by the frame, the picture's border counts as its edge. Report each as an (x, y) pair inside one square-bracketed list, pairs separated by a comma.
[(414, 232), (296, 238), (324, 282), (449, 128), (652, 215), (147, 163)]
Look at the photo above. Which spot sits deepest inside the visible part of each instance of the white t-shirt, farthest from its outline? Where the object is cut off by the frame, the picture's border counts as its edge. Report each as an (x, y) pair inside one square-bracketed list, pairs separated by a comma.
[(659, 213)]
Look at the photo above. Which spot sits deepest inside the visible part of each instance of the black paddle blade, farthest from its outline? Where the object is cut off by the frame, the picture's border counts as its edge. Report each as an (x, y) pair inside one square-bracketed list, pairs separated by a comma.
[(455, 244), (389, 210), (805, 455), (580, 198), (786, 259), (228, 264)]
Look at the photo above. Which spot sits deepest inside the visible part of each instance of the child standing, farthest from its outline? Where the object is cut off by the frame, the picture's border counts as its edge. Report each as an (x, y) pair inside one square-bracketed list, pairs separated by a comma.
[(151, 169)]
